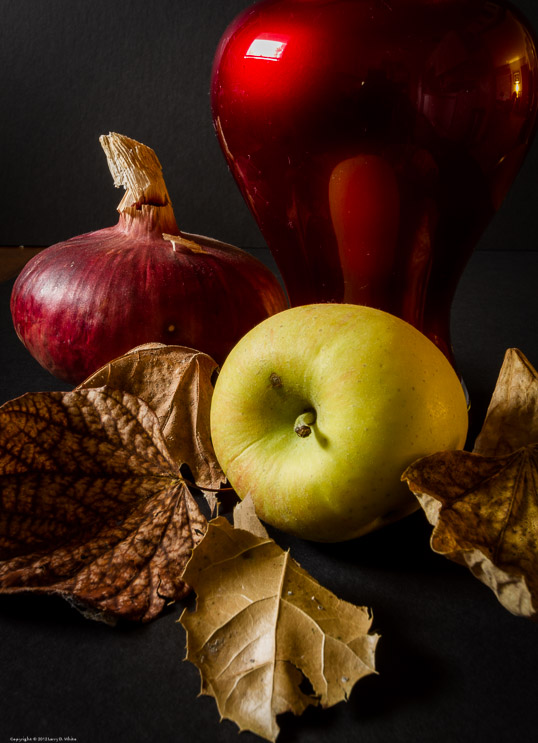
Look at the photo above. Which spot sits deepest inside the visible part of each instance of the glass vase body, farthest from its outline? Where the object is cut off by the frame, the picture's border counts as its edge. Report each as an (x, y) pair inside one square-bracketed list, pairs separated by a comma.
[(374, 140)]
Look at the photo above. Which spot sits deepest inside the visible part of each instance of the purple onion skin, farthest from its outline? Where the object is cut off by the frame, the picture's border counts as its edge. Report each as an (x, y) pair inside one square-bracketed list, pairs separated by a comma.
[(81, 303)]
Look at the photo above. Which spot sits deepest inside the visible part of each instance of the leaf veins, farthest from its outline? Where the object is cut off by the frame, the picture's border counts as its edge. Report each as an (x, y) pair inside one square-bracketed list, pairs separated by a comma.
[(92, 505), (263, 626), (176, 382)]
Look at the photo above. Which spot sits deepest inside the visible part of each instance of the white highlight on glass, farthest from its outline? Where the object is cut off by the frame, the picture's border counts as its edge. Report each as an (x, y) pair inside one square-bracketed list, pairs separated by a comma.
[(266, 48)]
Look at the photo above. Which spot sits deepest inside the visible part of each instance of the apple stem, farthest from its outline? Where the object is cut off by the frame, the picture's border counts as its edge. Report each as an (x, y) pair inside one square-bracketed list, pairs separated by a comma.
[(304, 421)]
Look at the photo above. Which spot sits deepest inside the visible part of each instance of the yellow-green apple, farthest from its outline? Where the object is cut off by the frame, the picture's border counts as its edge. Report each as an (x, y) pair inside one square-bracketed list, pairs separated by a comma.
[(318, 410)]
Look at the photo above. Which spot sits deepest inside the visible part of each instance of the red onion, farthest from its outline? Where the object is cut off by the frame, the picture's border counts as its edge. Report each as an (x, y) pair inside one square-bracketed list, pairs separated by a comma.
[(85, 301)]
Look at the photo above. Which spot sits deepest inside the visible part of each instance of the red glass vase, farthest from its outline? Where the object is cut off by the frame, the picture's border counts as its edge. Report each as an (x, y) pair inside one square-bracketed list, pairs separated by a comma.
[(374, 140)]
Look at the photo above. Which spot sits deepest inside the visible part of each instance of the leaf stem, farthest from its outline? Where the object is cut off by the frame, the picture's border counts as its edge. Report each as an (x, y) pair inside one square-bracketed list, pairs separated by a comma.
[(202, 487)]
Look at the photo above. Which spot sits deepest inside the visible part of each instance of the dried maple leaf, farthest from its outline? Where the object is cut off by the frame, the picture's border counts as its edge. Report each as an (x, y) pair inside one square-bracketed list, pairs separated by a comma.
[(92, 506), (176, 382), (263, 625), (484, 505)]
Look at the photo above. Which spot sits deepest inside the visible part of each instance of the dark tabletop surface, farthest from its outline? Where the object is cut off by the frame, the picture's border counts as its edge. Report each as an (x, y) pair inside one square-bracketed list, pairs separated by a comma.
[(454, 666)]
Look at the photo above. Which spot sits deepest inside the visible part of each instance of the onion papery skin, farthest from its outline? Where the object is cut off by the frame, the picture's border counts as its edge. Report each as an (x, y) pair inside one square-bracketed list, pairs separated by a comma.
[(83, 302)]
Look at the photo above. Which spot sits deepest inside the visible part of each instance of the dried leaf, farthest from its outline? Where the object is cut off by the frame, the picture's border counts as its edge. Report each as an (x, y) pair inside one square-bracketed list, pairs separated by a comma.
[(245, 518), (485, 508), (176, 382), (92, 506), (512, 416), (263, 625)]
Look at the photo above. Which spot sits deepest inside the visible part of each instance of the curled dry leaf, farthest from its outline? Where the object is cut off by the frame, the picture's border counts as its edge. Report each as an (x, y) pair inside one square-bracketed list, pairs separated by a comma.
[(512, 416), (92, 506), (263, 625), (176, 382), (484, 505)]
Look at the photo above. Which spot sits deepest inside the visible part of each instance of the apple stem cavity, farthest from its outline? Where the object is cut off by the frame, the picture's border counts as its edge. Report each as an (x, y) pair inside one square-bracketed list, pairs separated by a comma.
[(304, 422)]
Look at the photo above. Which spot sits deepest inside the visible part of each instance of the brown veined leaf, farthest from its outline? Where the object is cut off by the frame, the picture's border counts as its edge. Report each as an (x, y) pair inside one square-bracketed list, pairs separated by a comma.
[(92, 506), (176, 382), (485, 508), (263, 625)]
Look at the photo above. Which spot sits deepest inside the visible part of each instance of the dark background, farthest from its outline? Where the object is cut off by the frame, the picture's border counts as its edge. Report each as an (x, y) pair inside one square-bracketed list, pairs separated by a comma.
[(72, 70), (454, 666)]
